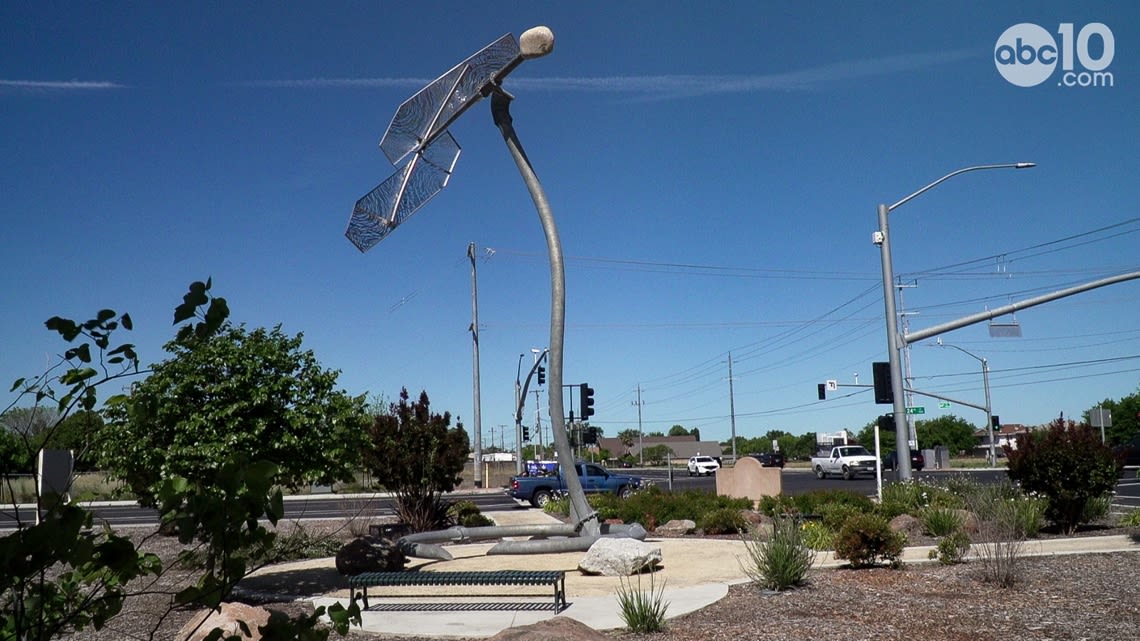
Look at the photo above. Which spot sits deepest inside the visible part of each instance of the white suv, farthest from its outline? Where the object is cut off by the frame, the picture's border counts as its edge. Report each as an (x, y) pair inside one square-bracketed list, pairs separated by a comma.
[(703, 465)]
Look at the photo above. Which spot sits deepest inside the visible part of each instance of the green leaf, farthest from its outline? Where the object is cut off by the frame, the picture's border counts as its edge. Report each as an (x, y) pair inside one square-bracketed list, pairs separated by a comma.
[(105, 315), (128, 324), (18, 383), (66, 327)]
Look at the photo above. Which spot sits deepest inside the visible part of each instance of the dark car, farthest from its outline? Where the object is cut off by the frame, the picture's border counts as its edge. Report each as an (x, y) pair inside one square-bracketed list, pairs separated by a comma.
[(917, 461), (1129, 453), (770, 459)]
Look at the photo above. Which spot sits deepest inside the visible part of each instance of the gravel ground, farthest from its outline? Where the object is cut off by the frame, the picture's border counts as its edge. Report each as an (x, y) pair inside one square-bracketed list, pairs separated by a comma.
[(1091, 597)]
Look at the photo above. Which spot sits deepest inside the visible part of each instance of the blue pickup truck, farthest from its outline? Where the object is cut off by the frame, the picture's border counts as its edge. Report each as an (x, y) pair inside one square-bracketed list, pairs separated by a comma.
[(539, 489)]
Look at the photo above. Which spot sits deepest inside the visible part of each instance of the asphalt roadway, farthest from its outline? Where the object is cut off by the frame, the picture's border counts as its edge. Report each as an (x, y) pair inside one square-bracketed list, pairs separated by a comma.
[(694, 574)]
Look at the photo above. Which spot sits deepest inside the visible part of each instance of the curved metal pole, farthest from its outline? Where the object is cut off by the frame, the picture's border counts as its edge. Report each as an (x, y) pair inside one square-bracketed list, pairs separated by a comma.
[(580, 510)]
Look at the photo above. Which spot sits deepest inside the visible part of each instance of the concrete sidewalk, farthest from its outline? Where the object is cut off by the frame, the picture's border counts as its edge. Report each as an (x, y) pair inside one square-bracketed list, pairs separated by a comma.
[(694, 574)]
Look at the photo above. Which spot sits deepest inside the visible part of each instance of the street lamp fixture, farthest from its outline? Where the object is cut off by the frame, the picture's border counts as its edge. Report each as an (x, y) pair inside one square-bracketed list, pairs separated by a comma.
[(895, 341), (986, 385)]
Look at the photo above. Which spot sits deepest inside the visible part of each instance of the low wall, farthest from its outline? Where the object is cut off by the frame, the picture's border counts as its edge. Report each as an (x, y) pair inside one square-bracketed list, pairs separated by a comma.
[(748, 479)]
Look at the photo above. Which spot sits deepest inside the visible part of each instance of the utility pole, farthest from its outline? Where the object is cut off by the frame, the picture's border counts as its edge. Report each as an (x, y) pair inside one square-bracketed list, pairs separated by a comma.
[(518, 420), (732, 408), (478, 463), (538, 422), (640, 433), (905, 318)]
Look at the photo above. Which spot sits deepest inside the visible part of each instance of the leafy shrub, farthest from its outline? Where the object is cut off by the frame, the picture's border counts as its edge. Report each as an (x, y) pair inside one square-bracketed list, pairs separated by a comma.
[(1131, 519), (952, 548), (467, 514), (725, 520), (1068, 465), (836, 514), (642, 611), (940, 521), (813, 502), (299, 544), (865, 539), (782, 560), (1004, 522), (661, 506)]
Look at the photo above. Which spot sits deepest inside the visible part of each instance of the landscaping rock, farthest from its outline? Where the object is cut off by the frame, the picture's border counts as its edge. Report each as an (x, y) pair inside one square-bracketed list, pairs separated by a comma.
[(620, 557), (229, 619), (677, 527), (560, 628), (369, 554)]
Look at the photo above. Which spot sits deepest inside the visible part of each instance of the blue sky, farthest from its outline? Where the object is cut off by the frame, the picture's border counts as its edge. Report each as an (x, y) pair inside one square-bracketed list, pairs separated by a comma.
[(714, 169)]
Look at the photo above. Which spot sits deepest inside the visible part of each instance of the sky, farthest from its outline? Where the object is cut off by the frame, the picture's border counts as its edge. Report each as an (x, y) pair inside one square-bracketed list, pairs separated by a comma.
[(714, 170)]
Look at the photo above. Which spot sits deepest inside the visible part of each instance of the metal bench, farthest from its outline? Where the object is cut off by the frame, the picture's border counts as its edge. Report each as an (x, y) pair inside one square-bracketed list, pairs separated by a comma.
[(555, 578)]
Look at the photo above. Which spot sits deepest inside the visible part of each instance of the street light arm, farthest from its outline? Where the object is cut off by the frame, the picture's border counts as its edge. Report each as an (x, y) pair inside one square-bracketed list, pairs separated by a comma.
[(1010, 165)]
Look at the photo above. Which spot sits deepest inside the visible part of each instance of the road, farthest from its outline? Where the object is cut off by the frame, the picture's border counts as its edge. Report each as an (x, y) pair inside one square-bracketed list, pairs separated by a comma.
[(332, 506)]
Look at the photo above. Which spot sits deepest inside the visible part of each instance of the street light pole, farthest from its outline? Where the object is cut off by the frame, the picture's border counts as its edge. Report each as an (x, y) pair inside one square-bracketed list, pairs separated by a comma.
[(895, 341), (986, 386)]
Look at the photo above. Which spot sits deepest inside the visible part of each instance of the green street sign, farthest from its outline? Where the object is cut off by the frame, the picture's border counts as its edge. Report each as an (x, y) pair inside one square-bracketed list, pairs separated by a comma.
[(943, 405), (916, 410)]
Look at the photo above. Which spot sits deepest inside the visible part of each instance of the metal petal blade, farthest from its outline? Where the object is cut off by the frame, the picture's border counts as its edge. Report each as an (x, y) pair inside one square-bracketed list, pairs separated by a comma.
[(434, 107), (384, 208)]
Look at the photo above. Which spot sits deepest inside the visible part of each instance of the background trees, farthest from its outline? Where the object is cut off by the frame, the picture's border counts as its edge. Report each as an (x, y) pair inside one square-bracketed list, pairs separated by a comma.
[(417, 455)]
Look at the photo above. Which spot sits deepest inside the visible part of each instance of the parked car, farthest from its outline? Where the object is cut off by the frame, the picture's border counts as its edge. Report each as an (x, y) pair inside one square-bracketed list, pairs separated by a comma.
[(917, 461), (847, 461), (703, 465), (770, 459)]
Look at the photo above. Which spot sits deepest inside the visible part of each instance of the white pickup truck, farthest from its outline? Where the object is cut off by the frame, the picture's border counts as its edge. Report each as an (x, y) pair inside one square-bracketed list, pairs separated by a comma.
[(847, 461)]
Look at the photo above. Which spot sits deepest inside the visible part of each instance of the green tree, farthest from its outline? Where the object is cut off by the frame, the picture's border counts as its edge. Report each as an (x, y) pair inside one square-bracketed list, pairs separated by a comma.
[(950, 431), (678, 430), (418, 456), (1125, 418), (657, 454), (628, 438), (237, 397), (1068, 465), (866, 437)]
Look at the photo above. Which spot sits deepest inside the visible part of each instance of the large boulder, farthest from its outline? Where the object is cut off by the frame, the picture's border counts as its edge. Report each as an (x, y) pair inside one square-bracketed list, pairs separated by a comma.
[(369, 554), (560, 628), (677, 527), (620, 557), (229, 618), (906, 524)]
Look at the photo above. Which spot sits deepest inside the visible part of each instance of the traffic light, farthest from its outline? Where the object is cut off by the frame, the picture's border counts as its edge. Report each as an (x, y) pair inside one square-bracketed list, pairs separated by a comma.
[(884, 393), (995, 423), (526, 434), (887, 423), (590, 436), (822, 389), (587, 402), (542, 376)]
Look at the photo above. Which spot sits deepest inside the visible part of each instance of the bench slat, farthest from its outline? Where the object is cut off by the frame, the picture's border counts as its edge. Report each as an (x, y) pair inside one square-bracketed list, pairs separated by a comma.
[(557, 578)]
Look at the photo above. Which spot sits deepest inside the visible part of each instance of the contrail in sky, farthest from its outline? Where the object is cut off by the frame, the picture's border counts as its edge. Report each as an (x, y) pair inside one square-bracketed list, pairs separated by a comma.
[(660, 87), (59, 85)]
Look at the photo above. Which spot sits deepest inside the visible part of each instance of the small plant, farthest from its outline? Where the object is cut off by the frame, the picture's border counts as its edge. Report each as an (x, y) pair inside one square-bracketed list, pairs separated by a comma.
[(1097, 509), (817, 536), (1131, 519), (467, 514), (952, 548), (299, 544), (725, 520), (940, 521), (642, 611), (783, 560), (1002, 530), (558, 504), (867, 539), (836, 514)]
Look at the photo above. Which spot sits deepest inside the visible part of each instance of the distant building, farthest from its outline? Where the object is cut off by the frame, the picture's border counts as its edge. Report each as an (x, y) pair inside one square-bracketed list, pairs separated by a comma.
[(682, 446)]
